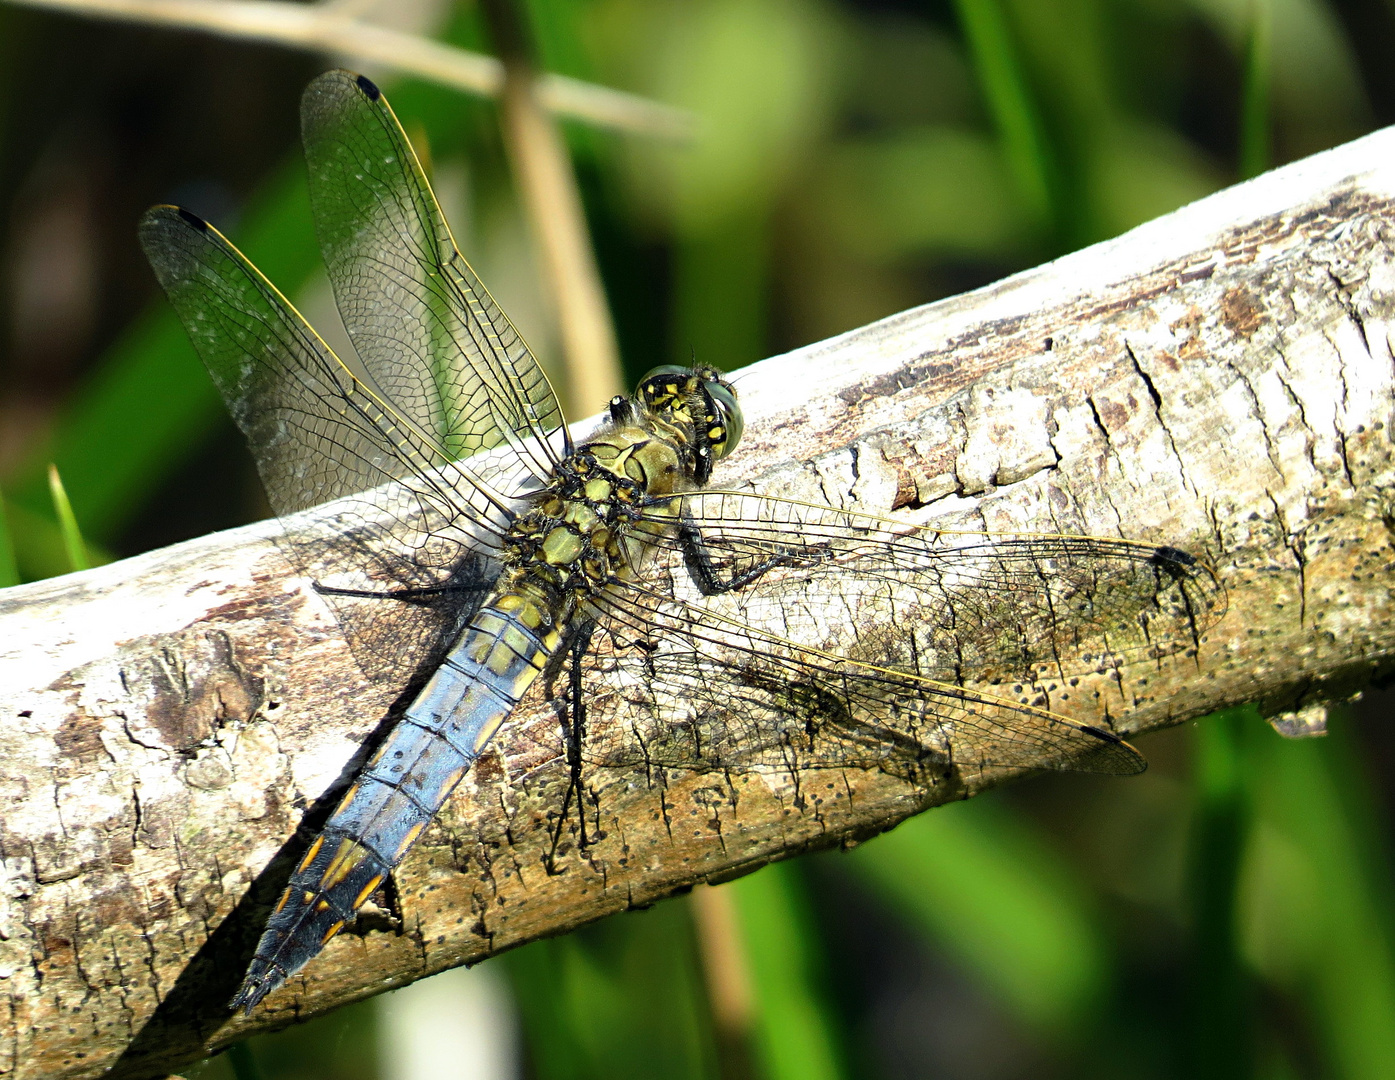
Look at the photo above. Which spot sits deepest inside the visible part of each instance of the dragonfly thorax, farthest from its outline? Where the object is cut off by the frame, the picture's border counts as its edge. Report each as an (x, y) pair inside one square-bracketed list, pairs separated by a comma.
[(585, 529)]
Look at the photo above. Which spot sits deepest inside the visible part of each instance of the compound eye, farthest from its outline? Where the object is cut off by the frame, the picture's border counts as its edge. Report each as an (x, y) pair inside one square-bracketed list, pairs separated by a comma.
[(729, 415), (666, 369)]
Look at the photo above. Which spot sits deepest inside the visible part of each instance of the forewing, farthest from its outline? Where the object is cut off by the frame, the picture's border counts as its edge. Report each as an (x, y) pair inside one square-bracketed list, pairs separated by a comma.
[(866, 641), (424, 326), (318, 433), (985, 607)]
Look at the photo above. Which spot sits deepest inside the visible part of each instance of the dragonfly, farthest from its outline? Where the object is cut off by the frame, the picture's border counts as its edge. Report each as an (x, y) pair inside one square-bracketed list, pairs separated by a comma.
[(474, 552)]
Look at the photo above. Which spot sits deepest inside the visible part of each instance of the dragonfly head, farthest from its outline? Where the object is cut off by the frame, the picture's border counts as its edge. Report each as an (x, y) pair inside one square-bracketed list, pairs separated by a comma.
[(700, 400)]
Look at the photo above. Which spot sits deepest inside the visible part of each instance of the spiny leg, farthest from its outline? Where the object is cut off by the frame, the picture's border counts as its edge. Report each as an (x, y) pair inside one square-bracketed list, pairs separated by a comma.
[(409, 596), (572, 714), (704, 574)]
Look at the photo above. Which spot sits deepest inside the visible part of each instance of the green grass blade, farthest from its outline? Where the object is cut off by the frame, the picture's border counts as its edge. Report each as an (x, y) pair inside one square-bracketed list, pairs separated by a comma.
[(1254, 103), (795, 1031), (9, 569), (1221, 996), (1318, 895), (1009, 100), (244, 1065), (38, 543), (620, 999), (67, 522), (974, 880)]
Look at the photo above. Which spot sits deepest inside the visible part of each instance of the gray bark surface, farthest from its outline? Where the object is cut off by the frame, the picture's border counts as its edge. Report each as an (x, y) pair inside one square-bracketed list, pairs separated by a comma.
[(1220, 380)]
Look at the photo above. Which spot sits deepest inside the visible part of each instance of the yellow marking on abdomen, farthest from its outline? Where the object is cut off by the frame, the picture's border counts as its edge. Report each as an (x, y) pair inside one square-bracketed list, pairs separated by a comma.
[(349, 795), (451, 780), (285, 897), (409, 840), (368, 891), (332, 931), (487, 731), (310, 856), (508, 647), (346, 858)]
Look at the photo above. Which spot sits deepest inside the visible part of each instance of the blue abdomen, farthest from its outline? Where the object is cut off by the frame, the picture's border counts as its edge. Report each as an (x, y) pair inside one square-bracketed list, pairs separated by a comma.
[(392, 800)]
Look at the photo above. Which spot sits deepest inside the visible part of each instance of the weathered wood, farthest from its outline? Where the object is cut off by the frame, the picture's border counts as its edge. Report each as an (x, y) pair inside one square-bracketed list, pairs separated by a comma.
[(1220, 380)]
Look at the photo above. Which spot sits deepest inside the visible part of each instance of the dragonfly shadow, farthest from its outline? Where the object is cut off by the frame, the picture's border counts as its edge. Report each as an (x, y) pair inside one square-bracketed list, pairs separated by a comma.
[(195, 1009)]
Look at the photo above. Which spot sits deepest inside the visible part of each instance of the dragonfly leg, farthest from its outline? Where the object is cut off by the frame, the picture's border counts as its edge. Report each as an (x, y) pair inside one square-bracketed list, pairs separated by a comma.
[(704, 573), (409, 596), (572, 712), (470, 576)]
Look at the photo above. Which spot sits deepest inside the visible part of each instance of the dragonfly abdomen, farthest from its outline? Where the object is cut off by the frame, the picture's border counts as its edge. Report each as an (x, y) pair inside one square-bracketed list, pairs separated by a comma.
[(423, 758)]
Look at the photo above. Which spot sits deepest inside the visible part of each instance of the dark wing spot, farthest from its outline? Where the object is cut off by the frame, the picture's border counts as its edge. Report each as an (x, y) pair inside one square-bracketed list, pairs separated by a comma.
[(1173, 560)]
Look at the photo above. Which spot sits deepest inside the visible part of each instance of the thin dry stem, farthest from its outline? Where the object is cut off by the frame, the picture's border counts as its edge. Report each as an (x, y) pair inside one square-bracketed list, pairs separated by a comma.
[(329, 29), (547, 186)]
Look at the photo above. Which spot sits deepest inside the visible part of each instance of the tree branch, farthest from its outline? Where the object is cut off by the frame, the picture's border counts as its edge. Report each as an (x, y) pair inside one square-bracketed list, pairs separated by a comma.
[(1220, 380)]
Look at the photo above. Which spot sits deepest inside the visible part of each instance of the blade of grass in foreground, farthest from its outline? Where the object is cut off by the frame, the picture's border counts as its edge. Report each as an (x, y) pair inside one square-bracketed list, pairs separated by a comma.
[(977, 882), (67, 522), (9, 571)]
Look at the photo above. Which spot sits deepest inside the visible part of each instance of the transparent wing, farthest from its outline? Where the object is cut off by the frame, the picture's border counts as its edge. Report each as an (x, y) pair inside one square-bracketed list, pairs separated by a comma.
[(987, 607), (424, 326), (693, 690), (962, 643), (411, 517)]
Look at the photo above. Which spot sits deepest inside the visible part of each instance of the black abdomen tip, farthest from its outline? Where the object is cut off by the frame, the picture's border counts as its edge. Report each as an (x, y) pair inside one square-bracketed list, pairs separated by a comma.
[(369, 87), (192, 220)]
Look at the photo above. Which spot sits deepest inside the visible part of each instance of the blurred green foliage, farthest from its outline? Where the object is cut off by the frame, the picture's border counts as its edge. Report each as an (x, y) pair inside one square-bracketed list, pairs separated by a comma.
[(9, 568), (1225, 916), (618, 998)]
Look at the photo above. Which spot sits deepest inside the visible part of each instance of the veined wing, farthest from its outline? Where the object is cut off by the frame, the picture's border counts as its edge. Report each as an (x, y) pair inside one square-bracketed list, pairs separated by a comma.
[(416, 519), (424, 326), (692, 676), (991, 607), (695, 689)]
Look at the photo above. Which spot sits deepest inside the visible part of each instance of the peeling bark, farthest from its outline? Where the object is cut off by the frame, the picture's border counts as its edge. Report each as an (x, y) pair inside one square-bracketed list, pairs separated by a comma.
[(1219, 380)]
